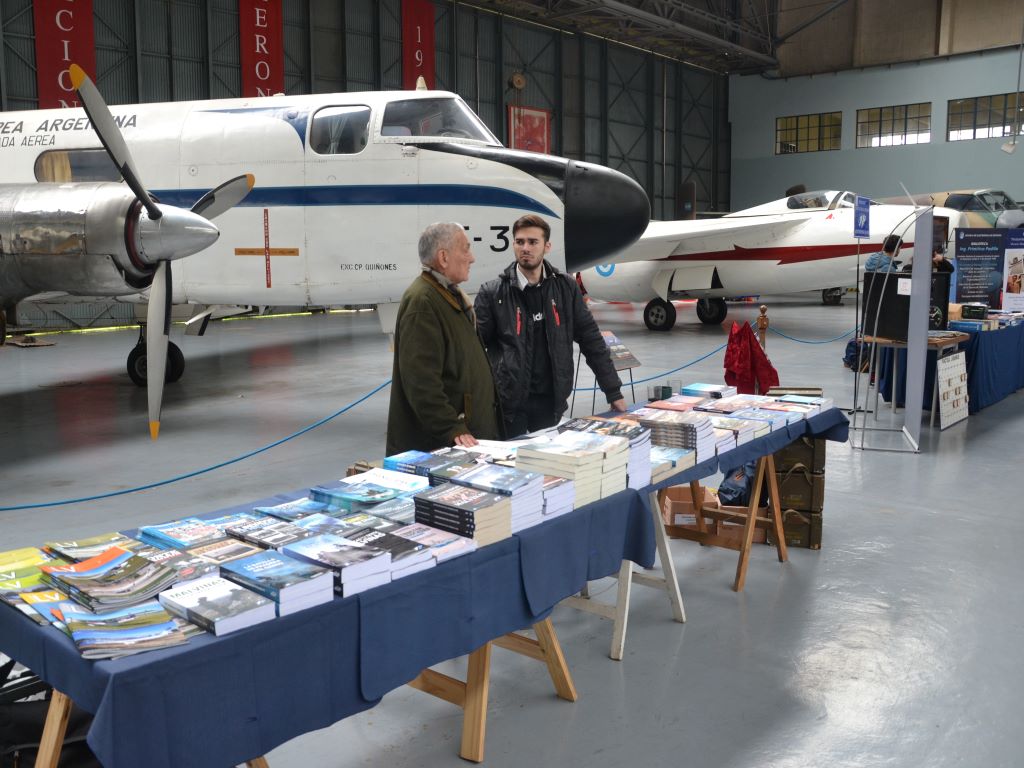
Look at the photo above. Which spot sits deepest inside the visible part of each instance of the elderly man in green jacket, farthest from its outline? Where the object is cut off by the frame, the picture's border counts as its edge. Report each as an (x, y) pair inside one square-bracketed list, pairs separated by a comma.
[(442, 389)]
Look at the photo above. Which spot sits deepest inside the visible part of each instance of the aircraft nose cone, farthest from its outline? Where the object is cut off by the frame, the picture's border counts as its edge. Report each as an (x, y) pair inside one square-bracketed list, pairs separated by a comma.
[(175, 235), (605, 212)]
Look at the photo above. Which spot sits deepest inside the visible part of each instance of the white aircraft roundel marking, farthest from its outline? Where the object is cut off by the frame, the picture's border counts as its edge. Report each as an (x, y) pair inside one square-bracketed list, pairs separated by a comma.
[(604, 270)]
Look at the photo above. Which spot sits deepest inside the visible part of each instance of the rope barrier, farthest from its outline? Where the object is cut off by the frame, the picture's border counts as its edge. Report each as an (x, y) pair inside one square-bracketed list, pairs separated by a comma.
[(810, 341), (235, 460)]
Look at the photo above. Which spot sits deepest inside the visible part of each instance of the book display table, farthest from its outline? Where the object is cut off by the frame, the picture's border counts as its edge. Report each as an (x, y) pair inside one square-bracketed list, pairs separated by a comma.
[(221, 701), (830, 425), (891, 355)]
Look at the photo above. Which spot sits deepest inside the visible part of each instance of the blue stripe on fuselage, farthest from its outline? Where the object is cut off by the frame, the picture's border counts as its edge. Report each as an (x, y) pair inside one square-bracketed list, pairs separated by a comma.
[(370, 194)]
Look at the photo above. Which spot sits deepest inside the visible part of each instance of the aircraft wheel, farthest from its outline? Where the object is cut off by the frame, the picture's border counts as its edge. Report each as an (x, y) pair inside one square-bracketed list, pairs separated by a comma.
[(659, 315), (137, 364), (711, 311), (832, 297)]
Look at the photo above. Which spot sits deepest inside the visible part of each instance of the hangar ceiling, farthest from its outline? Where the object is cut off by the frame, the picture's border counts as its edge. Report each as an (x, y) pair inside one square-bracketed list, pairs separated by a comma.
[(727, 36)]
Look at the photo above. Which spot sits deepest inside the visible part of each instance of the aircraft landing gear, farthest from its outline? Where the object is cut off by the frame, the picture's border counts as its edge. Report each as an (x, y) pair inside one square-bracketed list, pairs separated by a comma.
[(137, 363), (659, 315), (711, 311), (832, 297)]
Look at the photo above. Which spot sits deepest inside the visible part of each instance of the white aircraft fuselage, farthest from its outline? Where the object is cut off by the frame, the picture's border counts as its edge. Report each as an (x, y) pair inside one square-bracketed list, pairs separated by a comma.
[(779, 247), (345, 184)]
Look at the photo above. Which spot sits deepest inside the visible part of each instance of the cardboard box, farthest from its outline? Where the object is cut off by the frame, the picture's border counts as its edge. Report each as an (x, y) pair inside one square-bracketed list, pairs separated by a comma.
[(808, 452), (677, 510), (801, 489), (801, 529)]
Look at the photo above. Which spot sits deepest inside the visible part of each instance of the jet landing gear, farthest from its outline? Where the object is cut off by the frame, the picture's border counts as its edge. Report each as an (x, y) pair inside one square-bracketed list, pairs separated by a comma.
[(711, 311), (832, 297), (659, 315), (137, 361)]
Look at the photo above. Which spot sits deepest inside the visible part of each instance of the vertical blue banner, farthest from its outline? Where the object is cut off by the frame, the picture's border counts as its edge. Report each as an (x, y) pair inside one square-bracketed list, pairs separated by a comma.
[(862, 218)]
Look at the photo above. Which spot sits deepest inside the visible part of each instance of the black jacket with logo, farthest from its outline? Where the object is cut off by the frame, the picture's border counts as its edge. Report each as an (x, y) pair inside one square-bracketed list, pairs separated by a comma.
[(502, 319)]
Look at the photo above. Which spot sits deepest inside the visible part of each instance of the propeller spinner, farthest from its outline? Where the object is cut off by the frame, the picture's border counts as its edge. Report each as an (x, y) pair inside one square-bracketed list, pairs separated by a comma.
[(165, 233)]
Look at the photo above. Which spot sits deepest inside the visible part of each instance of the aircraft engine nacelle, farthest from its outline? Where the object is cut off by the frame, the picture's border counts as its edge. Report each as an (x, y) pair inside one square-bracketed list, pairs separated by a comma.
[(95, 237)]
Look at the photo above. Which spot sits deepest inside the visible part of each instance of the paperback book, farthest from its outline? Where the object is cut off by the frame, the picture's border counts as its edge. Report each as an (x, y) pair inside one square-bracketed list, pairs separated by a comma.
[(296, 509), (217, 605), (224, 551), (348, 559), (268, 532), (281, 578)]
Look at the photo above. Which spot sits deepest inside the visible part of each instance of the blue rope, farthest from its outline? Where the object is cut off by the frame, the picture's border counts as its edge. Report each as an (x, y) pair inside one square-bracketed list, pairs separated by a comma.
[(157, 484), (662, 375), (811, 341)]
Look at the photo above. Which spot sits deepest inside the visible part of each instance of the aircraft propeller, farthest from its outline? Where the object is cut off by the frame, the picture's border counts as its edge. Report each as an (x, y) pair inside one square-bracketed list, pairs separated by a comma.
[(170, 233)]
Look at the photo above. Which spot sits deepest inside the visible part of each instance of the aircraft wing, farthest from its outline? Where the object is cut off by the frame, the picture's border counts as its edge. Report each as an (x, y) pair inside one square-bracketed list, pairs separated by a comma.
[(672, 238)]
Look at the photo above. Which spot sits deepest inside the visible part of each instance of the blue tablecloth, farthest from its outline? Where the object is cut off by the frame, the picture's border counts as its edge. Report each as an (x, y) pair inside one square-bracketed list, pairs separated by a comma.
[(995, 369), (220, 701)]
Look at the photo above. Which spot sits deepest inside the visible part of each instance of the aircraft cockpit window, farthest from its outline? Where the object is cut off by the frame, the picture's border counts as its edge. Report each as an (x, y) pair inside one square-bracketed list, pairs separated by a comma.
[(63, 165), (997, 201), (340, 130), (809, 200), (447, 118)]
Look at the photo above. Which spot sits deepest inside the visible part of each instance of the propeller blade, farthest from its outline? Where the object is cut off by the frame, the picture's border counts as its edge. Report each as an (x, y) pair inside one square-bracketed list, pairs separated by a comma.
[(110, 136), (158, 318), (223, 198)]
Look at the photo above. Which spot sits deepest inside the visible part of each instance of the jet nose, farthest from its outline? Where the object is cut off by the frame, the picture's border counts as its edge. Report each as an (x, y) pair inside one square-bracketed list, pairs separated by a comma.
[(605, 212), (175, 235)]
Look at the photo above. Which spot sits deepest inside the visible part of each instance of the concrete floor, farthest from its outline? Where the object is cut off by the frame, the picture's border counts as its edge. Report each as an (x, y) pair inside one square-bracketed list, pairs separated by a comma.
[(897, 644)]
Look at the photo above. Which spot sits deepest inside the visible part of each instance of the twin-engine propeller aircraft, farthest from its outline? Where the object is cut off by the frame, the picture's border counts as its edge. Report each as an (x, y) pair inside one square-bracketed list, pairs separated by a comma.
[(346, 184), (800, 243)]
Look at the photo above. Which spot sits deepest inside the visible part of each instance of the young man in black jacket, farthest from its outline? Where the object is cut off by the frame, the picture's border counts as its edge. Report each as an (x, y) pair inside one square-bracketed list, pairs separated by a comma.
[(529, 318)]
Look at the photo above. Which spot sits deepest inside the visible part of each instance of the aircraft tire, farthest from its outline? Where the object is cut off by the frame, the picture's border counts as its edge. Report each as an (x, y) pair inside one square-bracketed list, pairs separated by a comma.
[(832, 297), (659, 315), (137, 364), (712, 311)]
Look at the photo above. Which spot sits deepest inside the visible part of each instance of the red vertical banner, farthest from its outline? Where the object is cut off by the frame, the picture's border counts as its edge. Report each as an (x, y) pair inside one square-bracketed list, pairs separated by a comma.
[(64, 36), (417, 42), (261, 44)]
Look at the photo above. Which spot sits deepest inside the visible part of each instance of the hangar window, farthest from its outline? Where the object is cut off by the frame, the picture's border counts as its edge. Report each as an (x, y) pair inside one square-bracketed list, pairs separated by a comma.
[(894, 126), (808, 133), (339, 130), (984, 117), (64, 165)]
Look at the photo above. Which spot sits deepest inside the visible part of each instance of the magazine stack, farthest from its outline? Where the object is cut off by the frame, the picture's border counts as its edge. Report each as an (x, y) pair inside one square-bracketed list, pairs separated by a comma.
[(524, 490), (113, 634), (113, 579)]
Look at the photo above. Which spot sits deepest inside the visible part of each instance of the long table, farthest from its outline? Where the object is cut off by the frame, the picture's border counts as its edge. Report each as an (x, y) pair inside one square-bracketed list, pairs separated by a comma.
[(220, 701)]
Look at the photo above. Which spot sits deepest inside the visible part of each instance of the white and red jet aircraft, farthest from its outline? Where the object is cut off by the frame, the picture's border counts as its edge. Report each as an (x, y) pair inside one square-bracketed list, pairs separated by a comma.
[(799, 243)]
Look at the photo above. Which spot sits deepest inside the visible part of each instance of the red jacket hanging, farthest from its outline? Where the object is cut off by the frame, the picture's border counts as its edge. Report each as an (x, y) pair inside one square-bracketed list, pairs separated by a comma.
[(747, 367)]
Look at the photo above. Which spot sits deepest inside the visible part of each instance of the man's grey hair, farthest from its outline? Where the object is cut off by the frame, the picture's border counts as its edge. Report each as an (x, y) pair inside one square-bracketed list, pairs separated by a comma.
[(439, 235)]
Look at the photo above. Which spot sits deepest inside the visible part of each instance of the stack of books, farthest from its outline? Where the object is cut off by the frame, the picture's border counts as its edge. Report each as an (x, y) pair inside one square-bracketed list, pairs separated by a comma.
[(691, 429), (443, 545), (401, 510), (798, 410), (320, 523), (638, 467), (744, 431), (522, 488), (407, 556), (217, 605), (293, 585), (822, 403), (666, 462), (224, 550), (406, 461), (774, 419), (443, 463), (698, 389), (296, 509), (725, 440), (113, 579), (733, 403), (354, 497), (595, 463), (679, 403), (113, 634), (267, 532), (187, 566), (480, 515), (402, 483), (559, 495), (181, 534), (356, 567)]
